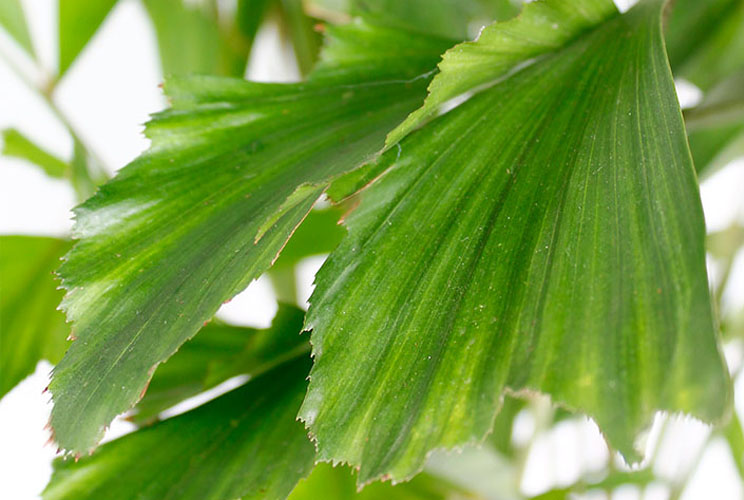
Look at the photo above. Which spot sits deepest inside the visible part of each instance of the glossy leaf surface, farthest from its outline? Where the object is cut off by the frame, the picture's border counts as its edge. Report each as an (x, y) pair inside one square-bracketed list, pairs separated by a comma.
[(244, 444), (32, 327), (234, 167), (561, 253)]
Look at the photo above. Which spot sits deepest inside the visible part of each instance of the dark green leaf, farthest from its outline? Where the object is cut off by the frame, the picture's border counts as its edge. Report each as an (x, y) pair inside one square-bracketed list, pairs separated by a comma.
[(234, 167), (250, 14), (503, 426), (17, 145), (705, 40), (243, 444), (32, 328), (13, 20), (561, 254), (78, 22)]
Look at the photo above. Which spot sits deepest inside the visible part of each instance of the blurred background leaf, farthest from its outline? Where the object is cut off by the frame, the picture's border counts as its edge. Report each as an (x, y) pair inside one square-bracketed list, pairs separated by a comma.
[(32, 327), (13, 19), (78, 22)]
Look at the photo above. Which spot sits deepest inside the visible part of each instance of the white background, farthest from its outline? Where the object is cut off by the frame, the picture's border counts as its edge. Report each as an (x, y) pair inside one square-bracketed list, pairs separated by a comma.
[(108, 95)]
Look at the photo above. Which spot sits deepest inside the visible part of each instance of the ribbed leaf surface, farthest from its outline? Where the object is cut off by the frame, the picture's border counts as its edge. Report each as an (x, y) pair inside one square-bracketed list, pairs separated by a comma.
[(546, 235), (234, 167), (245, 444)]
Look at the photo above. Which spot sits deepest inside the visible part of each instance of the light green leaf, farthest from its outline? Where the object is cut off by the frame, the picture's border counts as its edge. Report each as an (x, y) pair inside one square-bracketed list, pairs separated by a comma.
[(78, 22), (319, 234), (218, 352), (32, 328), (243, 444), (734, 435), (191, 40), (337, 483), (503, 48), (19, 146), (451, 19), (561, 254), (13, 20), (174, 234)]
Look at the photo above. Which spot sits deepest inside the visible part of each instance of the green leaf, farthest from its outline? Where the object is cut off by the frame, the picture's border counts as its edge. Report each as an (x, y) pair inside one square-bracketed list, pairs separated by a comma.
[(306, 40), (32, 328), (250, 14), (337, 483), (78, 22), (503, 425), (13, 20), (705, 40), (245, 443), (190, 40), (19, 146), (504, 48), (561, 254), (176, 233), (217, 353)]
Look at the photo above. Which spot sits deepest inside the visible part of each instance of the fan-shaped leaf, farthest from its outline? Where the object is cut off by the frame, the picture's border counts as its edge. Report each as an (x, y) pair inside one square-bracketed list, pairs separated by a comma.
[(546, 235)]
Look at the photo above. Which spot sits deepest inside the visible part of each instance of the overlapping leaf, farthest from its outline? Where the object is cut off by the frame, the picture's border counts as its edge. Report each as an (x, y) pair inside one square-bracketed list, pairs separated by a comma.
[(234, 167), (245, 444), (546, 235), (218, 352), (32, 328), (501, 48)]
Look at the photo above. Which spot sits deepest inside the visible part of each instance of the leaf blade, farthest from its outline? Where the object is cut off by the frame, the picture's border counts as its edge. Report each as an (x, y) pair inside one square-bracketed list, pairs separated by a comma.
[(249, 432), (183, 228), (567, 258)]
